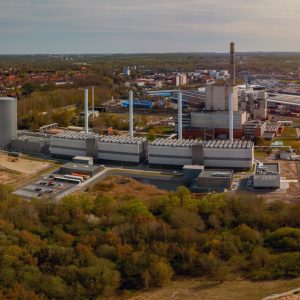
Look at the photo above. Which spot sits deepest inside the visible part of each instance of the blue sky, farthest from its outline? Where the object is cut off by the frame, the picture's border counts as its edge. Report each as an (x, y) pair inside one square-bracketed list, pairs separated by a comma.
[(135, 26)]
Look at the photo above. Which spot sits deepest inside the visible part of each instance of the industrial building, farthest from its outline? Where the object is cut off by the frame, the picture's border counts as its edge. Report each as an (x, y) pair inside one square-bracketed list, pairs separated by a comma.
[(215, 124), (86, 146), (70, 144), (30, 143), (286, 101), (169, 152), (192, 171), (217, 97), (254, 102), (222, 117), (267, 176), (145, 104), (254, 128), (83, 160), (122, 149), (8, 121), (213, 180), (79, 169), (237, 154)]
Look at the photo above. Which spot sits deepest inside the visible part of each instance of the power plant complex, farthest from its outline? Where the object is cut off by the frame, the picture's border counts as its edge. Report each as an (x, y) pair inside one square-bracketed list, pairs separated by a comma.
[(222, 115), (127, 149)]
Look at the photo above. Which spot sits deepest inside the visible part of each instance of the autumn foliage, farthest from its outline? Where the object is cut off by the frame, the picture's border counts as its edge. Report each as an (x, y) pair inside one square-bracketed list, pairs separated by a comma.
[(122, 235)]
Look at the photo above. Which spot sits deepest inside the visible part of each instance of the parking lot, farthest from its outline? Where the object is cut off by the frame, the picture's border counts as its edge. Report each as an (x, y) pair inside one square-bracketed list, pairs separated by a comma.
[(44, 188)]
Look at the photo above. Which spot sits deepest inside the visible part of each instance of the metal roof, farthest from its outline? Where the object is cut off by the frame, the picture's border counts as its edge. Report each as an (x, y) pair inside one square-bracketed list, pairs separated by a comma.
[(122, 139), (76, 135), (216, 173), (174, 142), (284, 99), (236, 144)]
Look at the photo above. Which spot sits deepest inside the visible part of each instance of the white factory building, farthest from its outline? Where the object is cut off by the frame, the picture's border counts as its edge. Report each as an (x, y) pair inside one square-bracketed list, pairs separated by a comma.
[(217, 97), (171, 152), (217, 120), (227, 154), (237, 154), (122, 149), (267, 176), (70, 144)]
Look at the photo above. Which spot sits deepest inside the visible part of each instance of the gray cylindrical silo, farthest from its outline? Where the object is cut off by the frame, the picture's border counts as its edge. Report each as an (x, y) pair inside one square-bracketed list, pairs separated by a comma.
[(8, 120)]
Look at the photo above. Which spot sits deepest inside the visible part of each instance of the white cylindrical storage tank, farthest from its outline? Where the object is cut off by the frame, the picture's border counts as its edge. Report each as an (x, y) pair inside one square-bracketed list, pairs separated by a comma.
[(8, 120)]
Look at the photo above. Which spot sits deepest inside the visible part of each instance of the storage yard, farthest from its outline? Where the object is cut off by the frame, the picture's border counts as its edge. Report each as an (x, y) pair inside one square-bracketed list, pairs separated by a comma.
[(14, 170), (22, 165)]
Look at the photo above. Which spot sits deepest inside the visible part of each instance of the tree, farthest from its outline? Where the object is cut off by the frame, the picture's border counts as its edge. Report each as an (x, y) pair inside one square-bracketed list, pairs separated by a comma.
[(184, 195)]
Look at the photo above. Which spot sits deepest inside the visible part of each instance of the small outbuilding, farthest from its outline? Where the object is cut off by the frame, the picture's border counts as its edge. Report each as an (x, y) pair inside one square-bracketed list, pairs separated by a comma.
[(83, 160), (267, 176), (73, 168)]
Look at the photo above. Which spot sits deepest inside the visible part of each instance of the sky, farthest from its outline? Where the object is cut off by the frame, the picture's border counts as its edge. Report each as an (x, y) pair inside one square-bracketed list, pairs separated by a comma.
[(148, 26)]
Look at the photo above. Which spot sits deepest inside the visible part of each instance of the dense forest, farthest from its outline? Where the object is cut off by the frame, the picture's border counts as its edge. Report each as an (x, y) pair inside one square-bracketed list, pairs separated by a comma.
[(122, 236)]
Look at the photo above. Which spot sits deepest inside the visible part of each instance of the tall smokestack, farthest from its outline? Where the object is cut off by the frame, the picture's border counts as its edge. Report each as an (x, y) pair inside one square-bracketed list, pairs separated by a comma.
[(86, 110), (230, 116), (232, 63), (131, 113), (179, 121), (93, 100)]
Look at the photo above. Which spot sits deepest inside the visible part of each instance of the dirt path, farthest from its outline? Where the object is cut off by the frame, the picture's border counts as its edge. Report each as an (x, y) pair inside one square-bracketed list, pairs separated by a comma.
[(194, 289)]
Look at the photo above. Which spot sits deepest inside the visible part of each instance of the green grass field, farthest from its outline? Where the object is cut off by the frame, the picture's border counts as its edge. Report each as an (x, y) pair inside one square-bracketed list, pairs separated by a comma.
[(288, 133), (260, 155)]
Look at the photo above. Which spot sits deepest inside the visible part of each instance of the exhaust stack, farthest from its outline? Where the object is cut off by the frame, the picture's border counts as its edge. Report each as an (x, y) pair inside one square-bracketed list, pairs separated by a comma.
[(93, 100), (86, 110), (230, 117), (131, 113), (179, 121), (232, 63)]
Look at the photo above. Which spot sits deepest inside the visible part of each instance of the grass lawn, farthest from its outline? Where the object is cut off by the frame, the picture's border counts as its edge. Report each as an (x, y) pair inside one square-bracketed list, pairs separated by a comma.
[(288, 133), (260, 155), (289, 137)]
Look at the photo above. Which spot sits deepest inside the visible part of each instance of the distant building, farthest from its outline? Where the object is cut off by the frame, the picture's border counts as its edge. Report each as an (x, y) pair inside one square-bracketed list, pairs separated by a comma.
[(126, 71), (181, 80)]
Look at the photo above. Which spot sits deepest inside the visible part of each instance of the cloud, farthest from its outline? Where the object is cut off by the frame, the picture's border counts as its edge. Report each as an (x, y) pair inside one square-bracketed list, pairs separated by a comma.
[(141, 25)]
